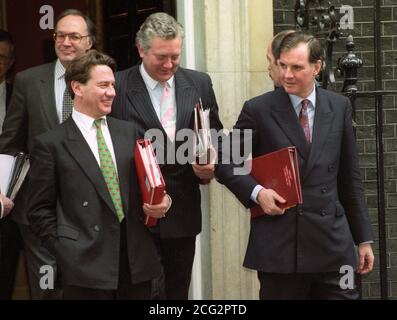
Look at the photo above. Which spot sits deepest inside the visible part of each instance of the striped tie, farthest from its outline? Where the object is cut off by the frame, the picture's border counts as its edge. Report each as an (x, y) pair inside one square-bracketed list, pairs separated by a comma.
[(304, 119), (109, 171)]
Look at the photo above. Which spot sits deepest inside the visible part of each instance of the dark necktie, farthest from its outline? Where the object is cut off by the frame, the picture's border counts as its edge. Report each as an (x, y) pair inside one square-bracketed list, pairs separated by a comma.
[(304, 119), (67, 105)]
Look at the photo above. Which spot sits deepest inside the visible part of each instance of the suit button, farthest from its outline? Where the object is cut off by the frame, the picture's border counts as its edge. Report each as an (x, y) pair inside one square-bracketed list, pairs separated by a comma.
[(85, 204), (323, 213), (323, 190), (300, 212), (96, 228), (331, 168)]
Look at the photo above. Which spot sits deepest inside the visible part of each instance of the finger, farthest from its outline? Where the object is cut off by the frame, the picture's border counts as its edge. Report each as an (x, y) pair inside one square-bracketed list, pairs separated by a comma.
[(361, 263), (278, 198)]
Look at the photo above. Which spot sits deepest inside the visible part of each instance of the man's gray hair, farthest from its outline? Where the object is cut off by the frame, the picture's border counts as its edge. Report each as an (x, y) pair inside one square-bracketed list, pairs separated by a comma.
[(160, 25)]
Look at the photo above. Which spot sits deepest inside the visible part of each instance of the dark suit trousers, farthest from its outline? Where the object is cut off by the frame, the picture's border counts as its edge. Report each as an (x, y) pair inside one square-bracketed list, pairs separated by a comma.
[(10, 245), (303, 286), (177, 257), (125, 291), (36, 257)]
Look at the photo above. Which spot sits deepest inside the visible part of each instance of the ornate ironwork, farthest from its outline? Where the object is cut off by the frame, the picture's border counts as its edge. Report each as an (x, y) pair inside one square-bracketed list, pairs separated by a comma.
[(348, 65), (323, 24)]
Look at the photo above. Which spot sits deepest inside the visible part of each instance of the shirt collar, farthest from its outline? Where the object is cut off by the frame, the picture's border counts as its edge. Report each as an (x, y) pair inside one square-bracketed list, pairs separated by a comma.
[(84, 121), (59, 70), (150, 82), (296, 101)]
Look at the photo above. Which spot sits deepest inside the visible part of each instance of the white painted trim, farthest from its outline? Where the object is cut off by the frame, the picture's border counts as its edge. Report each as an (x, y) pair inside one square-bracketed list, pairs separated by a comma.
[(196, 287), (189, 42)]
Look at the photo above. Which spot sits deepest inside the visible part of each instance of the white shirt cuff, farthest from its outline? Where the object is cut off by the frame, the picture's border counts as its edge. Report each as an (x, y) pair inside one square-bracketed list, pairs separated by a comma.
[(255, 192)]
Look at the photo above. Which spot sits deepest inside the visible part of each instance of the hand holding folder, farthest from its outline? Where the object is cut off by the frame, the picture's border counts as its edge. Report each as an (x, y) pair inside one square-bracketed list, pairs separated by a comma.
[(151, 182), (279, 171), (12, 174), (203, 149)]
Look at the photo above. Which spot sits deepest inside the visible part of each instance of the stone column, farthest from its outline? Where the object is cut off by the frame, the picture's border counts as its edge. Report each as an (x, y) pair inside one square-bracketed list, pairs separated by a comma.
[(236, 36)]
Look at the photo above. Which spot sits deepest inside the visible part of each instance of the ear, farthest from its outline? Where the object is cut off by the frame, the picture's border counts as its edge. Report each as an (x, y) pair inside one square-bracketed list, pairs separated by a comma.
[(77, 88), (89, 43), (317, 67), (140, 50)]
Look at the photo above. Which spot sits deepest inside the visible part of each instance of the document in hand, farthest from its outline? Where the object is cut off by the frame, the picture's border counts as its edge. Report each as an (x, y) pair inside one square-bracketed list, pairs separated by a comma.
[(278, 170), (151, 182), (13, 172), (202, 134)]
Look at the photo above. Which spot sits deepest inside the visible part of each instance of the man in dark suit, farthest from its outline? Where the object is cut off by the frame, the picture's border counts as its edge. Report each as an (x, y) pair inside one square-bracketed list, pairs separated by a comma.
[(39, 103), (299, 253), (7, 58), (158, 94), (9, 233), (84, 203)]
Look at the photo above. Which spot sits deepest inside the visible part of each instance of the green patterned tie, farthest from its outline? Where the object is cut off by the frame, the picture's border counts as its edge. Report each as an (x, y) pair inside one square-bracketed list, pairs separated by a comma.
[(109, 171)]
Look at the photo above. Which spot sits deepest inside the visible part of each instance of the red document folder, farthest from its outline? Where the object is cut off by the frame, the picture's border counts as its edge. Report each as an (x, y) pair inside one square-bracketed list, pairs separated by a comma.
[(278, 170), (151, 182)]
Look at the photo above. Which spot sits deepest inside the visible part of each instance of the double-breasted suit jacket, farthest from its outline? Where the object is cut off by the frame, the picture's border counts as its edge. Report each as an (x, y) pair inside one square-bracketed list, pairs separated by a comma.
[(71, 211), (320, 234)]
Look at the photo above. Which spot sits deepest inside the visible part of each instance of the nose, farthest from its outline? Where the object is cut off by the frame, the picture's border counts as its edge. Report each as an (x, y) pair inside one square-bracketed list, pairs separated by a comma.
[(288, 73), (66, 41), (168, 63), (110, 91)]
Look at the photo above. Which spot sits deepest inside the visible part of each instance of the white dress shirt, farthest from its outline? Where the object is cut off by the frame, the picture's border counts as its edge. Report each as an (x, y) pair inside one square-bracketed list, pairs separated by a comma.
[(59, 87), (155, 89), (86, 126)]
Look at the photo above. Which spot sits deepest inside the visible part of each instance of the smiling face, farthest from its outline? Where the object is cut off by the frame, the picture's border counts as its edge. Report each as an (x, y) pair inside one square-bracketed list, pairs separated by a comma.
[(94, 98), (297, 73), (162, 59), (68, 50)]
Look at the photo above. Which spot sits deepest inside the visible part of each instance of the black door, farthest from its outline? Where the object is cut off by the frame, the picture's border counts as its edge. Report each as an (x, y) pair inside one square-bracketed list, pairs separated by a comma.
[(121, 21)]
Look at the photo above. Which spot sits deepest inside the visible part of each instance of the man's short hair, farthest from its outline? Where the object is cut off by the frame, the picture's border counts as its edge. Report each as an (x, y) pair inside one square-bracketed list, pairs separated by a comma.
[(160, 25), (5, 36), (90, 25), (277, 39), (79, 69), (293, 39)]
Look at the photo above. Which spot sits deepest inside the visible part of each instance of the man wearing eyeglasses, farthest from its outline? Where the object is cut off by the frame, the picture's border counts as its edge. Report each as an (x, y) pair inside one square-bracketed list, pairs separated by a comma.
[(40, 103)]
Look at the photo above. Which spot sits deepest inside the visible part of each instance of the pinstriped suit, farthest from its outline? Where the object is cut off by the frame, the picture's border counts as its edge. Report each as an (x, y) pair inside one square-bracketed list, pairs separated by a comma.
[(133, 103)]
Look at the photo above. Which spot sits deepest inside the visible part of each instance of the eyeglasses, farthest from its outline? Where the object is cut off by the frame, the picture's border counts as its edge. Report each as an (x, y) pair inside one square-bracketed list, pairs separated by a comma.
[(73, 37)]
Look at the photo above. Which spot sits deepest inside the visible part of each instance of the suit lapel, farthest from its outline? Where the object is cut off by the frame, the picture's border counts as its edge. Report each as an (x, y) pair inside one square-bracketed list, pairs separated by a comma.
[(47, 94), (186, 97), (81, 152), (323, 118), (140, 100), (123, 156), (284, 114)]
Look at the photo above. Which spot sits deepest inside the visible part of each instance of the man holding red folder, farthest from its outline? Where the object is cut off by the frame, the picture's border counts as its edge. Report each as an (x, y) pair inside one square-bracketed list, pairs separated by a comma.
[(300, 252), (158, 94), (83, 203)]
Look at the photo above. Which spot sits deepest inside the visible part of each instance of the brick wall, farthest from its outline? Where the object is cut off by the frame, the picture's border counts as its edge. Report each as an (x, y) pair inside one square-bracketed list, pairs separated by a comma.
[(363, 34)]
